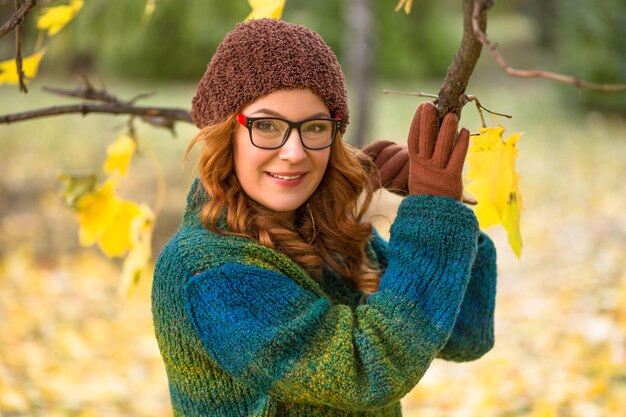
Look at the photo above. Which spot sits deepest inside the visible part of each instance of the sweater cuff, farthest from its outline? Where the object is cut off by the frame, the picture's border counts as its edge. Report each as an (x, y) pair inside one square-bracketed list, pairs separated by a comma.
[(440, 223), (432, 247)]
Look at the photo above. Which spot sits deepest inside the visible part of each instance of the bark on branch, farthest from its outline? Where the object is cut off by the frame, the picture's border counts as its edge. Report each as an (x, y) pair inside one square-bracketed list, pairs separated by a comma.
[(17, 17), (18, 52), (157, 116), (452, 93), (179, 115)]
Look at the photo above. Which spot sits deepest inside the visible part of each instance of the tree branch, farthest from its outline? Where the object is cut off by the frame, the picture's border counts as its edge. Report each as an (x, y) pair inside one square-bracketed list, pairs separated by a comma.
[(452, 96), (86, 91), (480, 34), (18, 52), (156, 116), (410, 93), (17, 17), (173, 114)]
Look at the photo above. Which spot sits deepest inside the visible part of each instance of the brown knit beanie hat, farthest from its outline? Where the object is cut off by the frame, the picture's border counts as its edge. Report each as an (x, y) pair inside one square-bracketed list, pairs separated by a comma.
[(264, 55)]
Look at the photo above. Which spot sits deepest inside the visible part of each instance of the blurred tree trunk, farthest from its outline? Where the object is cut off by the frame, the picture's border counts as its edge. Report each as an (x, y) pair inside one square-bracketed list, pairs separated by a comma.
[(359, 46), (544, 16)]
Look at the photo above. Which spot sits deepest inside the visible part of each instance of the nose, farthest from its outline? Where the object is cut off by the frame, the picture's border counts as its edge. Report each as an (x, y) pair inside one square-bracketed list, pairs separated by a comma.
[(292, 150)]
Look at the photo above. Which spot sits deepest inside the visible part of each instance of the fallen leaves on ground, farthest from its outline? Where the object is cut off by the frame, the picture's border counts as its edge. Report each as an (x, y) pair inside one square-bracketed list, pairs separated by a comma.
[(71, 347)]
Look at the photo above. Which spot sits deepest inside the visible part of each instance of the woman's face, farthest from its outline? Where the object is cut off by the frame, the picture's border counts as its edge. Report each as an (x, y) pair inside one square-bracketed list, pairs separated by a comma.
[(281, 179)]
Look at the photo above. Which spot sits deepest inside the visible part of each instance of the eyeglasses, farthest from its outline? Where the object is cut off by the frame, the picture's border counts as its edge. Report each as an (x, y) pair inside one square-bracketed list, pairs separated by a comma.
[(273, 132)]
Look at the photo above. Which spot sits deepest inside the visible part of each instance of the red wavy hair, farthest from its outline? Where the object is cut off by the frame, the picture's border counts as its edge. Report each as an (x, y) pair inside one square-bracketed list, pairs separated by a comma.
[(330, 228)]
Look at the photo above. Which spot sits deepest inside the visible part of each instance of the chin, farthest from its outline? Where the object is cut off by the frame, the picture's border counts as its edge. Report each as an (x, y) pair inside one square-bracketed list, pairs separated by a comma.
[(283, 208)]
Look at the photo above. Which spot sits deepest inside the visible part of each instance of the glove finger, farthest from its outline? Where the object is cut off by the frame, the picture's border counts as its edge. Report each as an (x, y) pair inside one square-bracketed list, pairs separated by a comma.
[(414, 134), (388, 153), (375, 148), (429, 125), (400, 184), (457, 158), (445, 140), (390, 170)]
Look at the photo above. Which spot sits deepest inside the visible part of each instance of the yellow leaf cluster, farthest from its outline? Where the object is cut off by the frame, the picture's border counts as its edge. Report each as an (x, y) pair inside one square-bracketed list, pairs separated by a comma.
[(120, 153), (407, 4), (52, 20), (111, 222), (494, 183), (266, 8), (119, 227), (55, 18), (30, 65), (140, 253)]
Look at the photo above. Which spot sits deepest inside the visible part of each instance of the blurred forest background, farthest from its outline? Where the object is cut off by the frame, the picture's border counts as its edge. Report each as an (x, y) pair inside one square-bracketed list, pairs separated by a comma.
[(70, 347)]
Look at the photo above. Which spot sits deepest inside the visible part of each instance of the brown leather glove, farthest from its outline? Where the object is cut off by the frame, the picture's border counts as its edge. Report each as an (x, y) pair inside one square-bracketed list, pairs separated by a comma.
[(436, 154), (392, 161)]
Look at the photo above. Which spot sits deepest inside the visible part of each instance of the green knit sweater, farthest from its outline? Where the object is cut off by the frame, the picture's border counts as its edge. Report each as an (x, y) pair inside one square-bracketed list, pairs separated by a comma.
[(245, 331)]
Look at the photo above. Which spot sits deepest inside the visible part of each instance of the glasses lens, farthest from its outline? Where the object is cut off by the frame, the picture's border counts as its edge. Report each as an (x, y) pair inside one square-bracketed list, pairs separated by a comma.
[(317, 133), (268, 133)]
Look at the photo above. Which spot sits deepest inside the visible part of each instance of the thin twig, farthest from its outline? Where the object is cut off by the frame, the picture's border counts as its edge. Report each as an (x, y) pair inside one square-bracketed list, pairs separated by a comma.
[(410, 93), (482, 37), (141, 96), (17, 17), (480, 111), (85, 91), (156, 116), (480, 108), (180, 115), (18, 51)]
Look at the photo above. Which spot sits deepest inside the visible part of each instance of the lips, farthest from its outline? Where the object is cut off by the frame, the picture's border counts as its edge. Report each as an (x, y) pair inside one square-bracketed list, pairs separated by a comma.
[(288, 176)]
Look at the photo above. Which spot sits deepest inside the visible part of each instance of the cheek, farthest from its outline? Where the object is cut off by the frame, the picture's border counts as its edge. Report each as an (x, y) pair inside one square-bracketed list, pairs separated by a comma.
[(241, 159), (247, 160), (322, 160)]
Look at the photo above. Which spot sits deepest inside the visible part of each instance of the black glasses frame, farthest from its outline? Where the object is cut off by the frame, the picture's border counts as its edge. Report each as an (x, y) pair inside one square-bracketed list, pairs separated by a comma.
[(247, 122)]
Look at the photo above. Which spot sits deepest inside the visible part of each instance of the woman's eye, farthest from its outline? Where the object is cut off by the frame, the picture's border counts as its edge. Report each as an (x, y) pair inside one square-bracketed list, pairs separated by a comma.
[(316, 128), (266, 126)]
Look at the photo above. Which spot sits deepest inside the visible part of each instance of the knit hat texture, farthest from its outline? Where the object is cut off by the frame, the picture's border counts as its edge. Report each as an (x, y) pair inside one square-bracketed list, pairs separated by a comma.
[(264, 55)]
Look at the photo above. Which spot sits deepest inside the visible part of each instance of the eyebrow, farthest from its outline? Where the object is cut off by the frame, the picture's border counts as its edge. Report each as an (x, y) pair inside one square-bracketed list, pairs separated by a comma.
[(276, 114)]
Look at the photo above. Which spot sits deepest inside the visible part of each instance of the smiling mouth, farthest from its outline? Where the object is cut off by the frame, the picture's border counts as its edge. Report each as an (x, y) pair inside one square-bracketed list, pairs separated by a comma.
[(286, 177)]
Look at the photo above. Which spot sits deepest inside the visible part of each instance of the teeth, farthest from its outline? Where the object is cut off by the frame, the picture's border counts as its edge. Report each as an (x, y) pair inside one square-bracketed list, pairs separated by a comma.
[(284, 177)]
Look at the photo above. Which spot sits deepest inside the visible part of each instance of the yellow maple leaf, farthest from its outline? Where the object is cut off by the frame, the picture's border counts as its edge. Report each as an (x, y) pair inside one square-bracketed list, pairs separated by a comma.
[(266, 8), (30, 65), (110, 221), (95, 211), (510, 221), (494, 183), (53, 19), (407, 4), (116, 236), (138, 258), (120, 154)]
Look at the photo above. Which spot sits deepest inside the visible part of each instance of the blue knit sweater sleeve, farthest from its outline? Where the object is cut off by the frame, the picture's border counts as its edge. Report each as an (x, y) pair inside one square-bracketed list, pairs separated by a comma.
[(276, 337), (473, 332)]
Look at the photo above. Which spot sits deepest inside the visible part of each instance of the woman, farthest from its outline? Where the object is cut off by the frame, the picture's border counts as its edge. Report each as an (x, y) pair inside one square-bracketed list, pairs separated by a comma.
[(276, 297)]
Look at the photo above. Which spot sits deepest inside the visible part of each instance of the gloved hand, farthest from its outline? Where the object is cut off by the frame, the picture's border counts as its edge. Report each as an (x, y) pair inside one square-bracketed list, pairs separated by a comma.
[(392, 161), (436, 154)]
